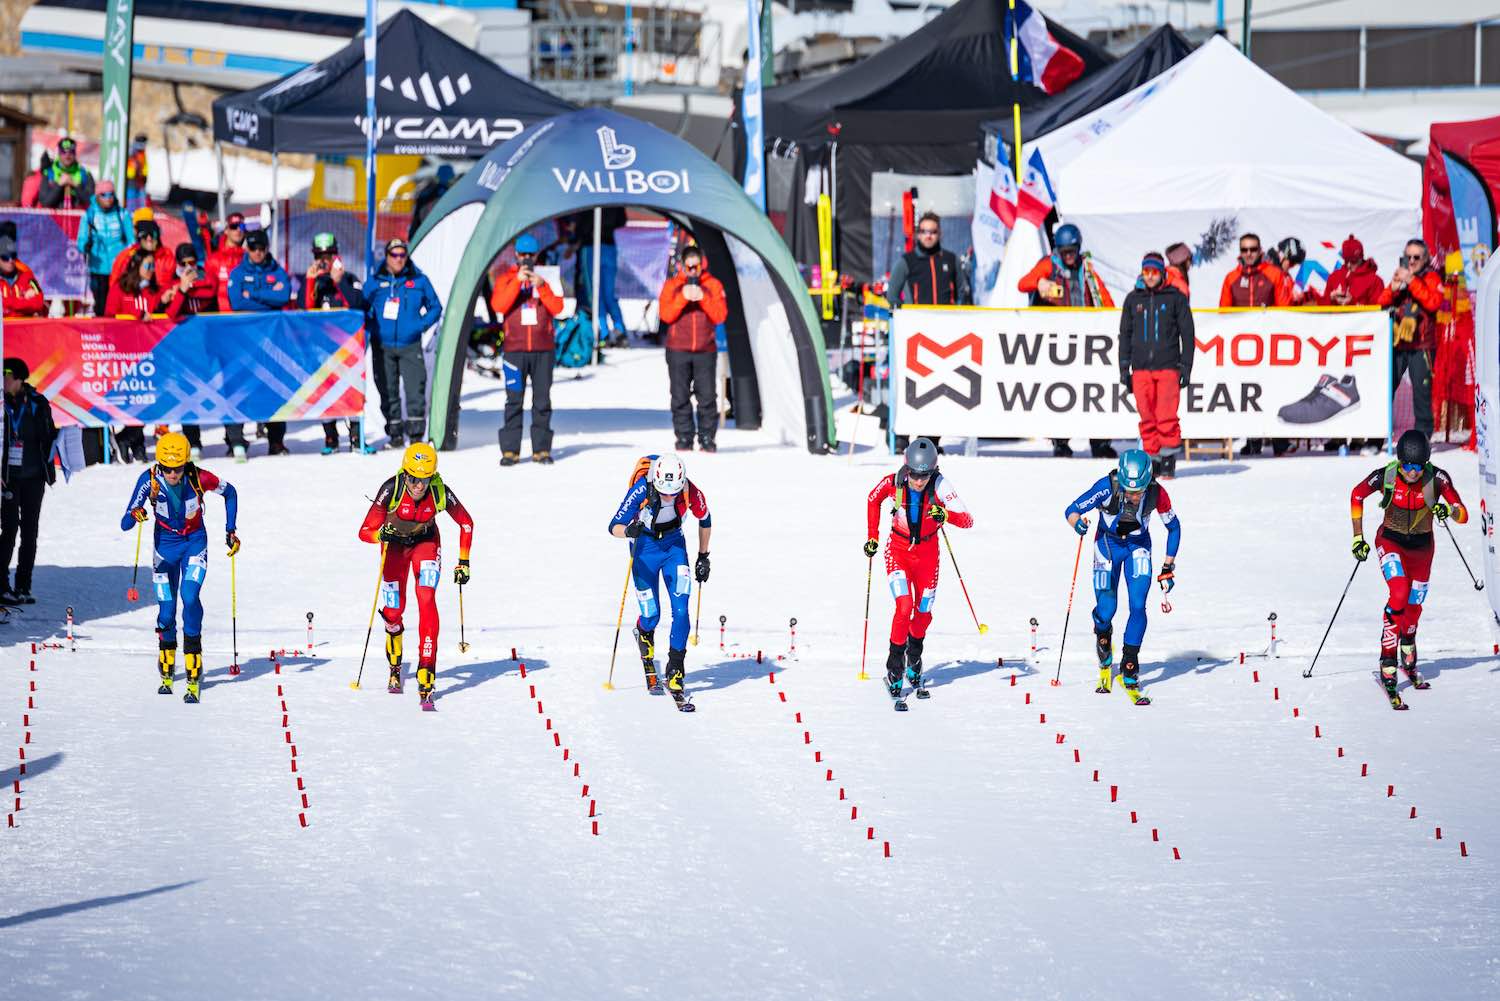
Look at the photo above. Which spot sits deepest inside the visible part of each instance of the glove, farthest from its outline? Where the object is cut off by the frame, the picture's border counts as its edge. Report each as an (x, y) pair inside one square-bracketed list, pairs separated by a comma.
[(700, 568), (1125, 381), (1361, 549), (634, 530), (1168, 577), (872, 546), (1081, 526), (1183, 378), (387, 533), (938, 513), (232, 541), (1440, 511), (461, 573), (140, 514)]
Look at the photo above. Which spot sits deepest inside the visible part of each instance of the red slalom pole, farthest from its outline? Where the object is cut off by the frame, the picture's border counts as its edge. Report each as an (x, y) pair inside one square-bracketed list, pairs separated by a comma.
[(865, 646), (1062, 645)]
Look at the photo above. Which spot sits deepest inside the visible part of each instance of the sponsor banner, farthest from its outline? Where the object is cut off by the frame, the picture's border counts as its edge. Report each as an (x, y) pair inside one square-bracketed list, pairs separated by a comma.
[(1285, 373), (47, 240), (119, 51), (209, 369), (1487, 423)]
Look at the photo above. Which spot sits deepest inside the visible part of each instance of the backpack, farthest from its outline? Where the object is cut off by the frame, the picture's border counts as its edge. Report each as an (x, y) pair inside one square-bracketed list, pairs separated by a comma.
[(575, 342)]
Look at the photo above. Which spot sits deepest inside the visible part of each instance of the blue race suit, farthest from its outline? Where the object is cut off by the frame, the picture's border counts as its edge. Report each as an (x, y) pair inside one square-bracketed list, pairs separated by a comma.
[(661, 552), (1122, 542), (179, 560)]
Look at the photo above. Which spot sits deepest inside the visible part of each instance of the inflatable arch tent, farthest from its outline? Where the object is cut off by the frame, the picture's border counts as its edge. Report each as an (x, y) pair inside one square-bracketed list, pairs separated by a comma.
[(594, 158)]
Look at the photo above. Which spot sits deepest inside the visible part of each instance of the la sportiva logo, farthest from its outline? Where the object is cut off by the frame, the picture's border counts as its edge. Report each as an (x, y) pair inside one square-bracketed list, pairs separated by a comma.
[(917, 344)]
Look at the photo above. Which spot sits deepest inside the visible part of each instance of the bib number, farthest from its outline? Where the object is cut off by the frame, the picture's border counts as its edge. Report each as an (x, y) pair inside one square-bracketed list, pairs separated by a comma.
[(427, 573), (1140, 563), (390, 594)]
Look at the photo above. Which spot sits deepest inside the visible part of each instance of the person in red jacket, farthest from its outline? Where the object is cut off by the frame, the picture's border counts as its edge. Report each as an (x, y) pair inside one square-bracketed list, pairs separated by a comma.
[(1356, 282), (136, 293), (147, 238), (20, 292), (529, 307), (223, 261), (692, 304), (1255, 281), (922, 502), (1414, 297)]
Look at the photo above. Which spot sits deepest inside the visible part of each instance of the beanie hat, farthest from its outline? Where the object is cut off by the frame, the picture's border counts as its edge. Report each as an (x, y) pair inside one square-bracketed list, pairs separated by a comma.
[(1352, 250), (16, 369), (1154, 260)]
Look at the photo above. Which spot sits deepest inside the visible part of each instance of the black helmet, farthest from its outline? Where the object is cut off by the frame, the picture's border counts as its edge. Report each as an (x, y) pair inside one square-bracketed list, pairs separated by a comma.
[(1412, 448), (921, 457)]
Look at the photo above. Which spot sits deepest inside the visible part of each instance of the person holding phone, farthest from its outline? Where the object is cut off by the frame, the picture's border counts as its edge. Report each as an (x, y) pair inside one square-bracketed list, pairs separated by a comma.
[(692, 304), (528, 306)]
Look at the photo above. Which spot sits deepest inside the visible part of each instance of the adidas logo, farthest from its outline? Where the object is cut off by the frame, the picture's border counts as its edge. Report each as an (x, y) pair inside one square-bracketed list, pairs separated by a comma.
[(444, 95)]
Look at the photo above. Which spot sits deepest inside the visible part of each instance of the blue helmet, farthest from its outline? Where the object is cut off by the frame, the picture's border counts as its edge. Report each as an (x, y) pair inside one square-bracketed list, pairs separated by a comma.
[(1135, 470), (1067, 235)]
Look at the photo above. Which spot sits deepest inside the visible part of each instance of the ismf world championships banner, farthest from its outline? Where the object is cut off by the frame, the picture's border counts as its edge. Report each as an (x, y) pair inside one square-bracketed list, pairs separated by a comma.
[(208, 369), (1033, 373)]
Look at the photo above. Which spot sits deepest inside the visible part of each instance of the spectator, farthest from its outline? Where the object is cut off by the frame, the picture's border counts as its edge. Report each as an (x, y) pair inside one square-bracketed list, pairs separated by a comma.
[(1066, 278), (1356, 282), (136, 294), (528, 307), (1179, 262), (613, 319), (1255, 281), (65, 182), (195, 291), (928, 275), (1156, 359), (26, 470), (400, 303), (147, 238), (102, 234), (1414, 297), (258, 285), (1288, 256), (231, 251), (428, 196), (328, 286), (692, 304), (135, 174), (20, 292)]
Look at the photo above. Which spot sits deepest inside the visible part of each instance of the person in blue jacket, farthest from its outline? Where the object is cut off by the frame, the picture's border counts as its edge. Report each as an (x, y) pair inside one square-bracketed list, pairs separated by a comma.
[(1122, 543), (259, 285), (400, 304), (103, 233), (173, 490)]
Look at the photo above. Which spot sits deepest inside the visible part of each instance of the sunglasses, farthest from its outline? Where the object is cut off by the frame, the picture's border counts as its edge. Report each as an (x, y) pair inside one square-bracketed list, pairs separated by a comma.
[(927, 232), (147, 265), (7, 258), (106, 194), (1415, 257), (1249, 250), (234, 225), (395, 253)]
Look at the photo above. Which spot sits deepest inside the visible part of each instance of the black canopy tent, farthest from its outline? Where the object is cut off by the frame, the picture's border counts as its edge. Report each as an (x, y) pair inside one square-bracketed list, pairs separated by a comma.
[(914, 107), (1155, 54)]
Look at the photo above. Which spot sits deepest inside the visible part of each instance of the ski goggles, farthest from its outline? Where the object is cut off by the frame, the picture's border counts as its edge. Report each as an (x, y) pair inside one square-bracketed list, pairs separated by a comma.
[(1413, 467)]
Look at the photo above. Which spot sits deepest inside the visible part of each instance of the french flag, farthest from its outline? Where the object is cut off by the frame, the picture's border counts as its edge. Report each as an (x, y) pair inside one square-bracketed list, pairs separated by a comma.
[(1036, 197), (1003, 196), (1043, 61)]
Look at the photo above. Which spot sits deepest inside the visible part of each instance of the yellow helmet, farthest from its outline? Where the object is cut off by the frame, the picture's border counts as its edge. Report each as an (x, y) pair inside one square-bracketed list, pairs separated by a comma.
[(419, 460), (172, 450)]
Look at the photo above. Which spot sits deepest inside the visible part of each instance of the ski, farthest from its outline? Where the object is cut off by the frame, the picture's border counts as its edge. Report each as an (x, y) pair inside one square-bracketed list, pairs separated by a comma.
[(427, 705), (919, 689), (1394, 697), (1137, 697), (683, 703), (393, 684), (897, 702)]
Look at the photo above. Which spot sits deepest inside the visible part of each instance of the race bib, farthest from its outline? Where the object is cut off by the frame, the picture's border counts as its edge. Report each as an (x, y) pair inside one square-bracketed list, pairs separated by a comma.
[(528, 316), (1140, 563), (427, 573), (163, 586), (197, 568), (390, 594), (392, 309)]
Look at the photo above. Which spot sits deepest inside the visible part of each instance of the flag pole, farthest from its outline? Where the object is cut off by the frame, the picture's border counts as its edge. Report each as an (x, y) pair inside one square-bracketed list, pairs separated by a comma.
[(1015, 72)]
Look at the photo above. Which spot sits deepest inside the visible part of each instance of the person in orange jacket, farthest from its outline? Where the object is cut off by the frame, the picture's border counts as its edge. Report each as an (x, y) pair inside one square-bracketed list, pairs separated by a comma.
[(1414, 297), (1255, 281), (20, 292), (692, 305), (529, 307)]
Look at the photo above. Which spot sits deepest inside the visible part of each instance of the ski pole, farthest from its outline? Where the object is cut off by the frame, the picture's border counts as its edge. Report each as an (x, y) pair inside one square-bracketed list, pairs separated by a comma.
[(234, 616), (131, 594), (619, 622), (379, 572), (1063, 643), (697, 615), (1478, 584), (865, 647), (983, 628), (1308, 673), (463, 646)]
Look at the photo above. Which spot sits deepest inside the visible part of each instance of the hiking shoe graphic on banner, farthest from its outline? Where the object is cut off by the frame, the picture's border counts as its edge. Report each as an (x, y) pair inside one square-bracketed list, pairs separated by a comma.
[(1329, 398)]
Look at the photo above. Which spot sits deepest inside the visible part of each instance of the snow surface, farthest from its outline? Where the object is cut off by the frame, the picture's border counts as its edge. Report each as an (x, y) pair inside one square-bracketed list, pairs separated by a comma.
[(158, 852)]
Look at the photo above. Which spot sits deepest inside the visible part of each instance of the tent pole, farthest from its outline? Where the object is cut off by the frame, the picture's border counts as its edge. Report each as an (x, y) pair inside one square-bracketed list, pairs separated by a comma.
[(219, 156), (594, 286), (1245, 31)]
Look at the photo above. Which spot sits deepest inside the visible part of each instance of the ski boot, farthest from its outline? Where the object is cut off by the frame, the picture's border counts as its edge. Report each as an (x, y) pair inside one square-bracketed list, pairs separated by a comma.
[(393, 659), (330, 445), (1104, 649), (646, 642), (166, 660), (1408, 659), (676, 677), (914, 666), (1388, 680), (426, 680), (895, 671), (192, 660), (1130, 669)]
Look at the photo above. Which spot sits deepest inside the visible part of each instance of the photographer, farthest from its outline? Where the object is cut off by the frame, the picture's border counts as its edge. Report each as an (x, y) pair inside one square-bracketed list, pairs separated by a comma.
[(529, 305), (692, 304), (26, 469), (328, 286)]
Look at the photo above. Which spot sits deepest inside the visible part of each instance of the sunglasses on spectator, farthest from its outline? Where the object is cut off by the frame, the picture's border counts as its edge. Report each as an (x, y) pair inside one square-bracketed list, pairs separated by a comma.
[(7, 258), (1415, 257), (147, 265), (927, 232), (106, 194), (398, 254), (1249, 250)]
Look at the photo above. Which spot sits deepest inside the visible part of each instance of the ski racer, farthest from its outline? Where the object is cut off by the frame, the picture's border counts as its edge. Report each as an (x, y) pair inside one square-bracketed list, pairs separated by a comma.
[(1125, 500), (922, 502), (651, 516), (403, 519), (1413, 492), (173, 490)]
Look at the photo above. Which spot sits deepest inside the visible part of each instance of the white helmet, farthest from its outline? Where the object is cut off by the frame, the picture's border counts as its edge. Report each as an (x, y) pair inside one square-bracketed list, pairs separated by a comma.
[(667, 474)]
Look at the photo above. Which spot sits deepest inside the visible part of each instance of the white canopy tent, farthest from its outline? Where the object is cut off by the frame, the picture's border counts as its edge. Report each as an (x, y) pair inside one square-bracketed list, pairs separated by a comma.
[(1212, 148)]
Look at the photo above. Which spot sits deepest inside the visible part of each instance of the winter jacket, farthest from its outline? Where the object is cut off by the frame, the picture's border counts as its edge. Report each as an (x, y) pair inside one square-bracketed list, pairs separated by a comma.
[(510, 300), (259, 288), (201, 297), (1263, 285), (164, 259), (1156, 331), (1178, 279), (1361, 282), (690, 325), (927, 278), (28, 420), (1078, 286), (325, 293), (221, 264), (416, 306), (123, 305), (21, 293), (53, 195), (102, 234), (1414, 310)]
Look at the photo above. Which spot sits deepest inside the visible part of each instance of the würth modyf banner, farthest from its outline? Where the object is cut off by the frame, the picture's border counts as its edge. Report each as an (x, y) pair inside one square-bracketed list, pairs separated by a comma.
[(1055, 372)]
